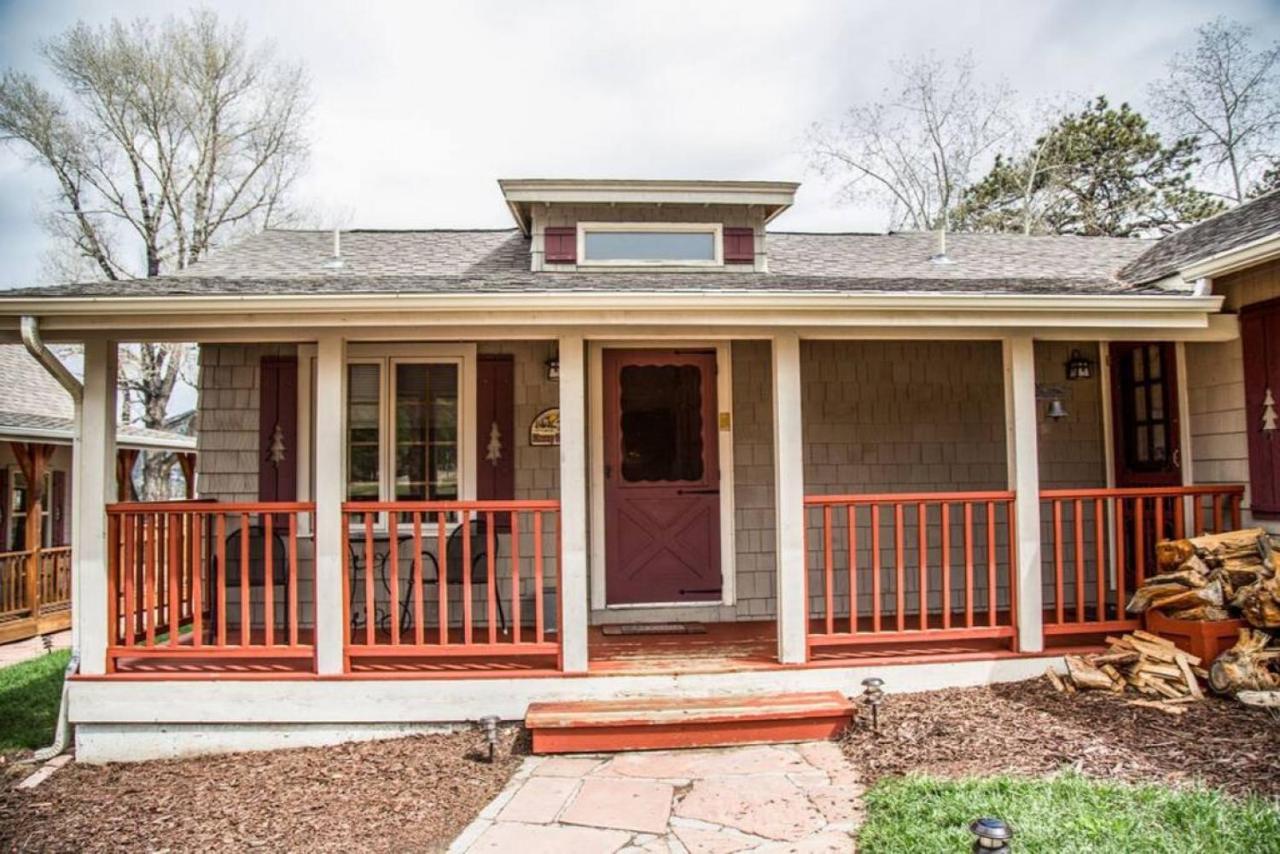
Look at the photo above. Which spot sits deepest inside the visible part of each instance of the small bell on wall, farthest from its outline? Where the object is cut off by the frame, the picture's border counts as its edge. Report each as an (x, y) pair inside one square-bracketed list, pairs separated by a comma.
[(1056, 411)]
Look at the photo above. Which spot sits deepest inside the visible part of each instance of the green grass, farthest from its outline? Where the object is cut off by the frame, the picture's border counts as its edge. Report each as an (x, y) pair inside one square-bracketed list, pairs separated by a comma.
[(1067, 813), (29, 697)]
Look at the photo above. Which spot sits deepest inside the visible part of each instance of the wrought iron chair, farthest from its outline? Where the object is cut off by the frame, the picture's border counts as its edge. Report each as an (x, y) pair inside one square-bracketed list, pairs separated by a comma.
[(453, 571), (257, 566)]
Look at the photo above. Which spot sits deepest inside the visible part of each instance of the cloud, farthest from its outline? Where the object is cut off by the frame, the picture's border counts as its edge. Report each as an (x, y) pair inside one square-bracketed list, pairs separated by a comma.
[(420, 107)]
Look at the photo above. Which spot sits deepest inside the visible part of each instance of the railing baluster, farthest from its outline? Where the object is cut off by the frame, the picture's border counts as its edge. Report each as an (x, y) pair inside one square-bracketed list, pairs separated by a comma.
[(293, 579), (442, 585), (1059, 585), (968, 565), (466, 577), (1217, 514), (537, 577), (1197, 517), (149, 579), (419, 630), (900, 565), (113, 581), (1078, 520), (875, 567), (393, 559), (515, 576), (491, 585), (922, 546), (246, 595), (828, 572), (370, 601), (945, 514), (130, 570), (992, 601), (1121, 553), (1139, 549), (1099, 559), (268, 581), (222, 579), (196, 526), (851, 517)]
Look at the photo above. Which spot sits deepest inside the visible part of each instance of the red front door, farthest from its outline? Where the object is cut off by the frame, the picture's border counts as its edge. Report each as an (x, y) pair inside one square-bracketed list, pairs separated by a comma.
[(1144, 388), (662, 477)]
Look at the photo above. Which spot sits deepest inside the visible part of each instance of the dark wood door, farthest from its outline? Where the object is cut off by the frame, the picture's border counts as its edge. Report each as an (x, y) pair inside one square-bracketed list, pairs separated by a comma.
[(1144, 389), (662, 477)]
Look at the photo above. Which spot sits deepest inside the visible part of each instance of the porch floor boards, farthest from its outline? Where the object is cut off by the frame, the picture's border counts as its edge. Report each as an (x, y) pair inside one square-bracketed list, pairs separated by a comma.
[(723, 648)]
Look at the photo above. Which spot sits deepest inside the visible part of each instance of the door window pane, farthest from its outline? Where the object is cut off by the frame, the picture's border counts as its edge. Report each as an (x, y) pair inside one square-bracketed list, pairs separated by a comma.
[(426, 418), (661, 423), (364, 405)]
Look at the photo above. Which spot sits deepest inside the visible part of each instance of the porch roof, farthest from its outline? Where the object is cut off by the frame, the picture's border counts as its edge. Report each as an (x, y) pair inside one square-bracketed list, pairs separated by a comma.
[(287, 262)]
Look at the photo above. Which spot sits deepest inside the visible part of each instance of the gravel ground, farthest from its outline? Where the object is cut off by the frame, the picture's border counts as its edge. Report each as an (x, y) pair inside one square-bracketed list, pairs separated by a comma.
[(1027, 728), (406, 794)]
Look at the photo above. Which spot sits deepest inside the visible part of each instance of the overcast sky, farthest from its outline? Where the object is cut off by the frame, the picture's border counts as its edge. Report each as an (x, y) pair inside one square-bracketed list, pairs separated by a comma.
[(420, 107)]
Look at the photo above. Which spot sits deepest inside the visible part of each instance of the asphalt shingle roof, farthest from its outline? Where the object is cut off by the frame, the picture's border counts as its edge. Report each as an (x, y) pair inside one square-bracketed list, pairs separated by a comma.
[(34, 402), (280, 262), (1244, 224)]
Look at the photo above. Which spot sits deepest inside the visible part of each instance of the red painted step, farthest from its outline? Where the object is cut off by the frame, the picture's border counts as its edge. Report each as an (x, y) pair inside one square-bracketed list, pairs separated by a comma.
[(656, 723)]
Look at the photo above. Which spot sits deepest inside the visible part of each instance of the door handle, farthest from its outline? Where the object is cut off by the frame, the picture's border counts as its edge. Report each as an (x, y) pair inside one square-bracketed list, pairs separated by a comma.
[(1177, 458), (697, 492)]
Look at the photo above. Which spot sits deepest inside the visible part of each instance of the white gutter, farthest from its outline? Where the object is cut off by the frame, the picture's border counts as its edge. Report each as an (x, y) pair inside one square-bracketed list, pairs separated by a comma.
[(649, 301), (46, 357)]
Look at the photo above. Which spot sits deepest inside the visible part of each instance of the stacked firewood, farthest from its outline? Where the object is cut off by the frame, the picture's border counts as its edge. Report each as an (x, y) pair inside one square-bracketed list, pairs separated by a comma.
[(1138, 663), (1215, 577)]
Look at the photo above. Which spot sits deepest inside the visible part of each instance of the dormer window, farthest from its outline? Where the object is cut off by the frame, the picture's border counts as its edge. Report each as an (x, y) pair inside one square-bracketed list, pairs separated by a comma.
[(628, 244)]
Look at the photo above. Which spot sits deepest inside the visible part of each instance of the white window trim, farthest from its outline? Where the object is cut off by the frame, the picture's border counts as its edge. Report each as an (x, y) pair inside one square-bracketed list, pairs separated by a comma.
[(714, 228), (461, 354)]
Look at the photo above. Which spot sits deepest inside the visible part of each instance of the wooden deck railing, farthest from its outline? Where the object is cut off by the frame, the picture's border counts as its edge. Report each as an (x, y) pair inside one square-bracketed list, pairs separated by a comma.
[(34, 602), (205, 580), (14, 591), (935, 565), (1098, 545), (397, 552)]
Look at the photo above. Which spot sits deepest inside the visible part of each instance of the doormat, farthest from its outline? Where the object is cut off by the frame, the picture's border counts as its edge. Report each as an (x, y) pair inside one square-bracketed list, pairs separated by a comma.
[(653, 629)]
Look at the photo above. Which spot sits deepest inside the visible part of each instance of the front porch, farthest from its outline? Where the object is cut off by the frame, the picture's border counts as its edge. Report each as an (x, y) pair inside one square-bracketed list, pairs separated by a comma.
[(908, 533)]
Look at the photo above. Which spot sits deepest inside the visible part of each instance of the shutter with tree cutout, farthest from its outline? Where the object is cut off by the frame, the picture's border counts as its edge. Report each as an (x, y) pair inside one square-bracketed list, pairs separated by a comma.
[(278, 429), (1260, 334)]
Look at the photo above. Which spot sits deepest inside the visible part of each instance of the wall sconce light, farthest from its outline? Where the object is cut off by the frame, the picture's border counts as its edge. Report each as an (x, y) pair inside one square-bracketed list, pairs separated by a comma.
[(1056, 410), (553, 369), (1078, 367)]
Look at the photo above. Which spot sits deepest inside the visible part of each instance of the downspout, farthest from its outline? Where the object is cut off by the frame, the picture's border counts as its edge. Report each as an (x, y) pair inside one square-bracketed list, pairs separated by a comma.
[(41, 353)]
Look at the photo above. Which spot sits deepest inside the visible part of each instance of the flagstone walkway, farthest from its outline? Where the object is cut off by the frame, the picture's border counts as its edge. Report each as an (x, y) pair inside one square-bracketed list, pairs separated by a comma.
[(766, 798)]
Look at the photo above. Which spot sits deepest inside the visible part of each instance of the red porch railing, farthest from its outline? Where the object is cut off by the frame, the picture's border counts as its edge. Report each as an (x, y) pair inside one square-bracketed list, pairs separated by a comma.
[(205, 580), (14, 592), (397, 553), (922, 566), (1099, 544)]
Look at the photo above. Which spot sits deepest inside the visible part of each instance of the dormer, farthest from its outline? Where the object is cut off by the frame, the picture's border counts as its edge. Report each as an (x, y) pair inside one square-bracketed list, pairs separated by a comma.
[(667, 226)]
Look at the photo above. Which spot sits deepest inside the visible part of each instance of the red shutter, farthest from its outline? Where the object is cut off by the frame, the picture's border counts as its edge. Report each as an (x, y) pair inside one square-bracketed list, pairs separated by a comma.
[(58, 509), (739, 246), (495, 407), (560, 244), (1260, 336), (278, 417)]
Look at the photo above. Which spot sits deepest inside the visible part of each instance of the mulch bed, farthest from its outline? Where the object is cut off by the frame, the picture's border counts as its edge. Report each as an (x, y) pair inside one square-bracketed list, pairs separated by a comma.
[(1029, 729), (413, 793)]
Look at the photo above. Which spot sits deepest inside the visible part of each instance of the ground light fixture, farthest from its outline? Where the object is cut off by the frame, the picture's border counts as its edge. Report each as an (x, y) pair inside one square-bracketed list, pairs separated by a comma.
[(490, 725), (873, 695), (991, 834)]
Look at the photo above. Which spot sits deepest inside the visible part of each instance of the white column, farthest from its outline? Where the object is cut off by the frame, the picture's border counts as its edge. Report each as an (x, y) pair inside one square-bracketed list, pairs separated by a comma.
[(330, 464), (1024, 479), (573, 504), (93, 488), (788, 498)]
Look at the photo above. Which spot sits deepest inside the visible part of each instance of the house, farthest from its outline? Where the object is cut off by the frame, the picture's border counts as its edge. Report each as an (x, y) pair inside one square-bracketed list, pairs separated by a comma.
[(37, 431), (651, 448)]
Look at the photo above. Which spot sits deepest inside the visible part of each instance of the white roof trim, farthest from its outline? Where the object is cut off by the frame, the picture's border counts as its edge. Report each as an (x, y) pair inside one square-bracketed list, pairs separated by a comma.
[(774, 196), (1234, 259), (56, 436)]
